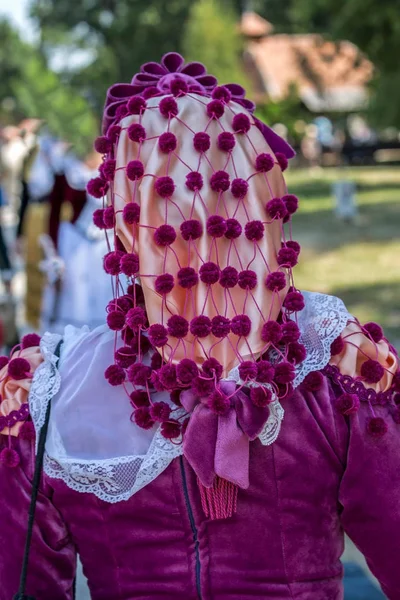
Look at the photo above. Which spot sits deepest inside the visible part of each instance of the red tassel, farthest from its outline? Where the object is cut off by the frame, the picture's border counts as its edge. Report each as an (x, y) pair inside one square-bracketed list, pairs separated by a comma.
[(220, 500)]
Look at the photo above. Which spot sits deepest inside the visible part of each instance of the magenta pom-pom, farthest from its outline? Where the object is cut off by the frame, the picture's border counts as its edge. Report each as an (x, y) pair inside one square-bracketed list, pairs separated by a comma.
[(314, 381), (165, 186), (290, 332), (125, 357), (247, 279), (194, 181), (212, 368), (97, 187), (276, 208), (107, 169), (30, 340), (156, 360), (372, 371), (215, 109), (115, 375), (294, 246), (220, 326), (121, 112), (228, 277), (396, 381), (150, 92), (98, 218), (271, 332), (226, 141), (167, 142), (9, 458), (139, 398), (209, 273), (131, 213), (294, 302), (297, 353), (165, 235), (239, 188), (178, 326), (221, 93), (140, 343), (168, 107), (233, 229), (282, 161), (112, 263), (171, 430), (102, 145), (200, 326), (178, 87), (139, 374), (136, 132), (3, 361), (134, 170), (129, 264), (254, 231), (216, 226), (109, 217), (241, 325), (220, 181), (265, 371), (160, 411), (187, 277), (287, 258), (260, 396), (164, 284), (136, 317), (291, 202), (248, 370), (241, 123), (113, 133), (192, 229), (136, 105), (143, 418), (186, 371), (116, 320), (264, 162), (201, 141), (219, 403), (158, 335), (167, 375), (375, 331), (202, 387), (18, 368), (276, 281), (377, 427), (337, 346), (284, 373)]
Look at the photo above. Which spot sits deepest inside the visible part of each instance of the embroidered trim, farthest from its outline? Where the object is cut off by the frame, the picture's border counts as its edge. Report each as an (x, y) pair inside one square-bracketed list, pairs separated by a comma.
[(15, 416), (354, 386)]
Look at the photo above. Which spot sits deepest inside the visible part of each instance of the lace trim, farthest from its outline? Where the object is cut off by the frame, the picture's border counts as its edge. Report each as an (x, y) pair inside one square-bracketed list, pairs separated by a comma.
[(46, 381), (321, 322), (353, 386), (117, 478)]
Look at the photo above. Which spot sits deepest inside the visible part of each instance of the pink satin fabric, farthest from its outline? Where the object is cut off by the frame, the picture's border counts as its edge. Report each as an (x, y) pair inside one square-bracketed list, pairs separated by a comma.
[(14, 393), (359, 348), (156, 211)]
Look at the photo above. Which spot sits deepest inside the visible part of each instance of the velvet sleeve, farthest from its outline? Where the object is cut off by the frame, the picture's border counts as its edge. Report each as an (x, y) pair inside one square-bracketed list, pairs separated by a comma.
[(370, 496)]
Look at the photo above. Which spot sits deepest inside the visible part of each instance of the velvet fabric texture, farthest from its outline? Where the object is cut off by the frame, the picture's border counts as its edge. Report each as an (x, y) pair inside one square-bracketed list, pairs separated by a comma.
[(323, 476)]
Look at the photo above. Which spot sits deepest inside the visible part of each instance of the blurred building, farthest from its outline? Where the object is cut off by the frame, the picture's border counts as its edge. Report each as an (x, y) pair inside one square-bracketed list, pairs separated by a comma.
[(328, 76)]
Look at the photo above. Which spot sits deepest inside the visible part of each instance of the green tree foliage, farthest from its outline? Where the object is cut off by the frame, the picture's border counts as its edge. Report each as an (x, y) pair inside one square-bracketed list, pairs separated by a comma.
[(212, 37), (36, 91)]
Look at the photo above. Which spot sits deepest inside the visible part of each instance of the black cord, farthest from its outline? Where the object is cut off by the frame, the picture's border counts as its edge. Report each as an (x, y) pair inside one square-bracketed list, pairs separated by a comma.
[(34, 494)]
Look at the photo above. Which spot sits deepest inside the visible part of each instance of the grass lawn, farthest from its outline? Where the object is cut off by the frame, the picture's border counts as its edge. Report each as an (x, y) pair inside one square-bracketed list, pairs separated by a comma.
[(358, 262)]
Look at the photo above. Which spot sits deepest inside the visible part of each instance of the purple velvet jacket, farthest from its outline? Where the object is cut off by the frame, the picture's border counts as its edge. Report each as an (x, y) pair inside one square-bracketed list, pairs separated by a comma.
[(323, 476)]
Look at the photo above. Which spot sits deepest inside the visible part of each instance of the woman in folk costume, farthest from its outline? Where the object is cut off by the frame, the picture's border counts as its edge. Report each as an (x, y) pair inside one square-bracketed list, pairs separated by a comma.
[(78, 288), (219, 435)]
